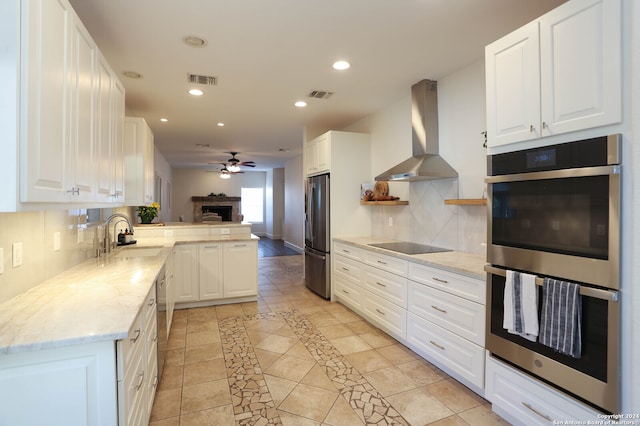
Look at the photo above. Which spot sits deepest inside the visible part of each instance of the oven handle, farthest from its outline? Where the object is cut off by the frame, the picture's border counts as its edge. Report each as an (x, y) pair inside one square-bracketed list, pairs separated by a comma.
[(609, 295), (556, 174)]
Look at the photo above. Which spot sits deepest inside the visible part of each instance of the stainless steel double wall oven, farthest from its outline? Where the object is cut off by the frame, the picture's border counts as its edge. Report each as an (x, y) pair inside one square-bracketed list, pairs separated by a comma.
[(555, 212)]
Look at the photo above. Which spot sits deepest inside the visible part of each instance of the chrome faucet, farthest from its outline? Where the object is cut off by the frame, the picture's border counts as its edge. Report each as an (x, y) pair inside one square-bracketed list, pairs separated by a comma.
[(109, 245)]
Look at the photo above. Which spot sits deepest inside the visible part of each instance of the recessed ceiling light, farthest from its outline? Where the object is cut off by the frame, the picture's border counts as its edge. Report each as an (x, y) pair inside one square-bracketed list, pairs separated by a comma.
[(341, 65), (196, 92), (164, 120), (194, 41), (300, 104), (131, 74), (221, 124)]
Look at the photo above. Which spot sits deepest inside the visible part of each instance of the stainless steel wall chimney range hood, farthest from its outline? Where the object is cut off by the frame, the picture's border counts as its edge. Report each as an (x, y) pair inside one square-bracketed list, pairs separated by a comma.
[(426, 163)]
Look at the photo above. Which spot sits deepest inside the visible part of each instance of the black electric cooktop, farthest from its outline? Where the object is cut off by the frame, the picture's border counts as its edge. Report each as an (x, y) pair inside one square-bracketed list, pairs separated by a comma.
[(410, 248)]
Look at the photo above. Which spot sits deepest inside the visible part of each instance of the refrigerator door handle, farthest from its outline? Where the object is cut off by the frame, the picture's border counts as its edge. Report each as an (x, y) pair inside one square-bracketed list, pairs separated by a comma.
[(310, 218), (317, 256)]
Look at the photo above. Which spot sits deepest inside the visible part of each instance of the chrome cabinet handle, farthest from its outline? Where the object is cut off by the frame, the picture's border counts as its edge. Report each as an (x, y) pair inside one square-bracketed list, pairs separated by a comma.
[(74, 191), (544, 416), (155, 382), (134, 339), (346, 251), (140, 380), (380, 312), (531, 128), (440, 280), (152, 302), (381, 262), (437, 345), (438, 309), (380, 284), (345, 269), (544, 124), (239, 245), (345, 291)]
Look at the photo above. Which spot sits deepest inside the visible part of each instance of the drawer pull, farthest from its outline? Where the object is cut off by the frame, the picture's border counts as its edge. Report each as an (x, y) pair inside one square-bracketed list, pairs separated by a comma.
[(436, 345), (155, 382), (152, 302), (380, 312), (239, 245), (381, 284), (155, 338), (345, 291), (438, 309), (440, 280), (134, 339), (345, 269), (381, 262), (544, 416), (140, 380), (346, 251)]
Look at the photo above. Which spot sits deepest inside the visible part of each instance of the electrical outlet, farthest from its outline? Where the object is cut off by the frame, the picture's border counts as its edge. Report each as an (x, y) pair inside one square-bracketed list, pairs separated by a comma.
[(56, 241), (225, 231), (1, 260), (17, 254), (390, 220)]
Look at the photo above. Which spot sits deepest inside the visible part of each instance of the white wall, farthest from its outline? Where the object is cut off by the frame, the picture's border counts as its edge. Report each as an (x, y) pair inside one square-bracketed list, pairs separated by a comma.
[(461, 110), (293, 223), (195, 182)]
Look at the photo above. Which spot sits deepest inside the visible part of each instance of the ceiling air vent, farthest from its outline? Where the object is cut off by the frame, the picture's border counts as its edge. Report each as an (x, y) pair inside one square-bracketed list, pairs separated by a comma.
[(202, 79), (320, 94)]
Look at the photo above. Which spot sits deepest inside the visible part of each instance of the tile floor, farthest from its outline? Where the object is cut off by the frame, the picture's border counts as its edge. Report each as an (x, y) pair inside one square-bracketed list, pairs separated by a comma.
[(294, 359)]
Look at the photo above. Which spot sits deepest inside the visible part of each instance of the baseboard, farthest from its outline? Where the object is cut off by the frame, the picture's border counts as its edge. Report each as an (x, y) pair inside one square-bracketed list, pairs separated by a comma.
[(273, 236), (294, 247)]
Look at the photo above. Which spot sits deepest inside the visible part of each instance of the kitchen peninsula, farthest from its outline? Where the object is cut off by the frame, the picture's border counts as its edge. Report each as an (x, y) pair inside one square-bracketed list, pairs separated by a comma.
[(82, 347)]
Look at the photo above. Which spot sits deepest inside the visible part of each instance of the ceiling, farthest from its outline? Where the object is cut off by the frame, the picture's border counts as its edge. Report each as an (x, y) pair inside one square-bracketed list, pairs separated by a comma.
[(268, 54)]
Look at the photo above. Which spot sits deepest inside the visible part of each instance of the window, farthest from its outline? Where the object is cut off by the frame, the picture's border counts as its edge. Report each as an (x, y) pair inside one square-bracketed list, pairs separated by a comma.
[(252, 204)]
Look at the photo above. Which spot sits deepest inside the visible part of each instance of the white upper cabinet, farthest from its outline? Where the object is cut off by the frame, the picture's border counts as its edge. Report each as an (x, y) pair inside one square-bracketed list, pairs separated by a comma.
[(558, 74), (45, 96), (61, 121), (318, 155), (138, 160)]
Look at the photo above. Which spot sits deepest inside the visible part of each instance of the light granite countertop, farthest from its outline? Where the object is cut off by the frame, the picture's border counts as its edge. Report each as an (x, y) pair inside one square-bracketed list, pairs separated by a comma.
[(94, 301), (468, 264)]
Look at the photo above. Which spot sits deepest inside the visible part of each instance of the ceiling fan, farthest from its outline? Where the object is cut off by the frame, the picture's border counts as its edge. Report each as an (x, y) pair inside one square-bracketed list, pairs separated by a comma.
[(234, 163)]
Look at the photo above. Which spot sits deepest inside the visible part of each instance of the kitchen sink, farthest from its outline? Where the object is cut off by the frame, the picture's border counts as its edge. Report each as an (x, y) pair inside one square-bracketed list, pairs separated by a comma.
[(149, 251)]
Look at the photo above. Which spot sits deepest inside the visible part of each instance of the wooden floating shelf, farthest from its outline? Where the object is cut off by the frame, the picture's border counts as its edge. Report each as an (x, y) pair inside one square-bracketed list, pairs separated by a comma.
[(467, 201), (385, 203)]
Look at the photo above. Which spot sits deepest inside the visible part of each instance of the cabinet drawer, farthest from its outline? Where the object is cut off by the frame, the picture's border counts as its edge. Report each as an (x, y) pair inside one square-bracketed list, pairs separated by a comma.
[(150, 304), (522, 400), (386, 315), (347, 292), (386, 285), (386, 263), (446, 348), (453, 313), (348, 268), (469, 288), (131, 391), (347, 250), (130, 348)]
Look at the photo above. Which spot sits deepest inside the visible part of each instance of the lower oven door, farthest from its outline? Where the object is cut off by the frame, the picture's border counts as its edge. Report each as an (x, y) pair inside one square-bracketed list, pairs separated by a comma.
[(594, 376)]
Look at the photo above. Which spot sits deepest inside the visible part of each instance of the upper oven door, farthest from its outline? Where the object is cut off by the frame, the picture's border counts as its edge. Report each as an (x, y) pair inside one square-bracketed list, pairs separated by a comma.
[(560, 223)]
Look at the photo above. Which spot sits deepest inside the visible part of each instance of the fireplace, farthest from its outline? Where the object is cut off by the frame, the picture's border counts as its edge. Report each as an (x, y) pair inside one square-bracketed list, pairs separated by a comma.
[(216, 209), (216, 213)]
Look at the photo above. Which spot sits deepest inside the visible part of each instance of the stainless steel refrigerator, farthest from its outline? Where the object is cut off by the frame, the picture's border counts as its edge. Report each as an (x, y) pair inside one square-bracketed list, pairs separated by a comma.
[(317, 236)]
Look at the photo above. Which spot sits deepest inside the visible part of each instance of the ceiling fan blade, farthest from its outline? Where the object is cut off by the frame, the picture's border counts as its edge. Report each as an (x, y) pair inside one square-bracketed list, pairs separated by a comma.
[(247, 163)]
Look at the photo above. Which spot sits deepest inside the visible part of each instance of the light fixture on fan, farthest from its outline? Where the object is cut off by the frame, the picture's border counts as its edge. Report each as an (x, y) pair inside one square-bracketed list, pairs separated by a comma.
[(233, 168), (225, 173)]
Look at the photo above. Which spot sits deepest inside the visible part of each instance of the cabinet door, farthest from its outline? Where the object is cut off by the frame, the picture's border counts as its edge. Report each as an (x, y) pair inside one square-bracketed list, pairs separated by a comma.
[(118, 142), (513, 87), (311, 157), (323, 153), (580, 45), (240, 269), (210, 271), (45, 98), (104, 130), (80, 173), (186, 272), (149, 173)]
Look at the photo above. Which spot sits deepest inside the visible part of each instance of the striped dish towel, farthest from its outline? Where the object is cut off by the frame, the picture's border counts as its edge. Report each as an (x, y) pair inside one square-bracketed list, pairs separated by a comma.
[(561, 317)]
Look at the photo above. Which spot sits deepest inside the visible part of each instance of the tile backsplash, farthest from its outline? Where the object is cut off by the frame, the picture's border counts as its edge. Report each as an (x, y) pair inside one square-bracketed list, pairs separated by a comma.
[(428, 220), (40, 258)]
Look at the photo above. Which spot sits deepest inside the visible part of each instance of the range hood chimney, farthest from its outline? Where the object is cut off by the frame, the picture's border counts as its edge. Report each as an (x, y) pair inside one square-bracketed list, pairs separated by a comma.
[(426, 163)]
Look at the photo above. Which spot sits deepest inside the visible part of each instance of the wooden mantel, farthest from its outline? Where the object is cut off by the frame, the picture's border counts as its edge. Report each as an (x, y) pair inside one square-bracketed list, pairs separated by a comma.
[(214, 199)]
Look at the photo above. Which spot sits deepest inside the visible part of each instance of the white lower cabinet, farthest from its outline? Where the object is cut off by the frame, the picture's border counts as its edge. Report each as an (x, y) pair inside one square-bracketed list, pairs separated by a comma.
[(523, 400), (456, 354), (137, 366), (216, 271), (438, 314)]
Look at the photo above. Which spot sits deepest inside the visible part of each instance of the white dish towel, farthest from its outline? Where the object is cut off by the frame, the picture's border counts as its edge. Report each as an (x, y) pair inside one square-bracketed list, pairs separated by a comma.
[(521, 305)]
